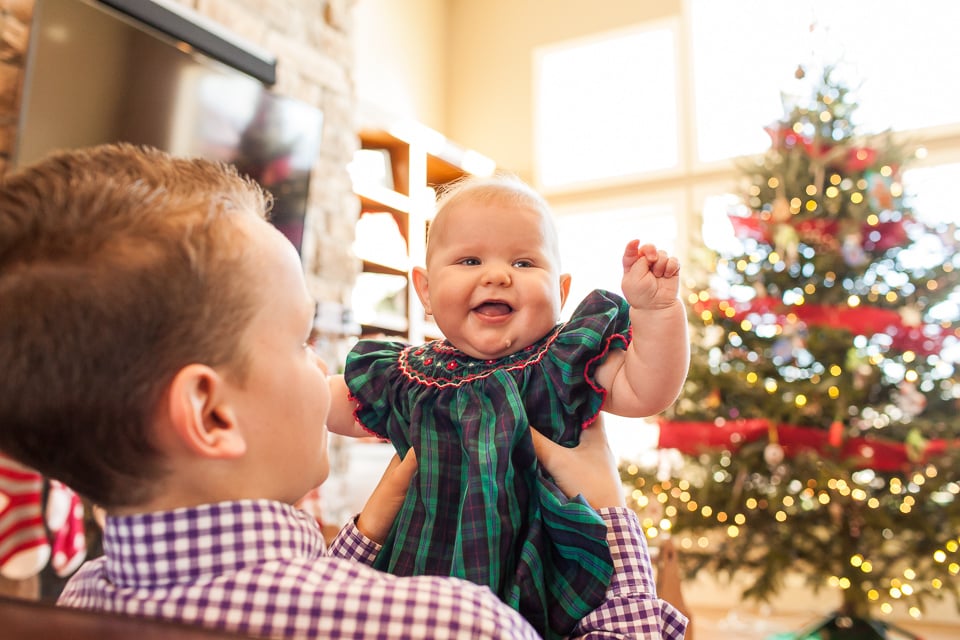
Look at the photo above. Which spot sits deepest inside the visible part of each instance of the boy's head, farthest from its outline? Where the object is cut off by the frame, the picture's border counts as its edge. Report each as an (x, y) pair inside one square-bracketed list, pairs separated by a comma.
[(492, 279), (121, 268)]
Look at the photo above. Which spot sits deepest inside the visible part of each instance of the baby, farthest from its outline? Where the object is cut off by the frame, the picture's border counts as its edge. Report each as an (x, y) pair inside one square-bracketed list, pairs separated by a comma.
[(481, 508)]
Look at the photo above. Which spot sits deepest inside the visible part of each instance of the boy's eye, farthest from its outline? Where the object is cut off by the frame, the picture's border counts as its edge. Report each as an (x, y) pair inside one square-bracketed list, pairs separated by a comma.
[(470, 262), (523, 264)]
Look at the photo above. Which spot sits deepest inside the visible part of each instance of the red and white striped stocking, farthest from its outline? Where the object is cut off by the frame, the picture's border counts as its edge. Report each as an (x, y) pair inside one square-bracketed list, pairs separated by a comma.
[(24, 549)]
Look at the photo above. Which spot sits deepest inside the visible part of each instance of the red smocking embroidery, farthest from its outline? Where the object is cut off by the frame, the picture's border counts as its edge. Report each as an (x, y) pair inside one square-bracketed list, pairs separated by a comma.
[(442, 346), (625, 340)]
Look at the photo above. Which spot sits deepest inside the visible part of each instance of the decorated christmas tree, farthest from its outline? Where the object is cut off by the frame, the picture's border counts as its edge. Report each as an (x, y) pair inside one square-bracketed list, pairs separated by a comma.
[(818, 426)]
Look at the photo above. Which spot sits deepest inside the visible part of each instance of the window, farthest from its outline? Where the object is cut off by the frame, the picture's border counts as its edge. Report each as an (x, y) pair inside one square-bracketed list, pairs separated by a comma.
[(903, 61), (931, 192), (592, 242), (607, 107)]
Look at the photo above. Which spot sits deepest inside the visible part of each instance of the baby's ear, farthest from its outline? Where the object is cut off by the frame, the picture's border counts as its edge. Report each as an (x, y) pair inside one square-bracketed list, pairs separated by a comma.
[(422, 284), (565, 280), (201, 415)]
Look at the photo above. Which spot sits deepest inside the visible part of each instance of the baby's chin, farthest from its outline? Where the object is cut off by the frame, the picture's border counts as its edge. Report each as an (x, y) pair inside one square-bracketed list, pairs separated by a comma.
[(492, 349)]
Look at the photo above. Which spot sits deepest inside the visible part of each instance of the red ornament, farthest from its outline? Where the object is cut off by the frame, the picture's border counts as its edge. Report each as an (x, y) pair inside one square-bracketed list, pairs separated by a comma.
[(835, 439), (860, 158)]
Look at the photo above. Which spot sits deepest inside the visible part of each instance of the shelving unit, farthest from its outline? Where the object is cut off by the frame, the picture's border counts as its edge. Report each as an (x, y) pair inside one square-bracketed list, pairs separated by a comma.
[(395, 174)]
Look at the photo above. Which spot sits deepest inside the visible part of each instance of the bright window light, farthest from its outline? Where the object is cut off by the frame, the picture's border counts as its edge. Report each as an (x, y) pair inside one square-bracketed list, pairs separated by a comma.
[(592, 242), (606, 108), (932, 192), (902, 60)]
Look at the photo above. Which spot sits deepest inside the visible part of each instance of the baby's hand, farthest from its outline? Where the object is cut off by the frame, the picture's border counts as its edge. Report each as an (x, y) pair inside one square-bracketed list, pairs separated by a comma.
[(651, 278)]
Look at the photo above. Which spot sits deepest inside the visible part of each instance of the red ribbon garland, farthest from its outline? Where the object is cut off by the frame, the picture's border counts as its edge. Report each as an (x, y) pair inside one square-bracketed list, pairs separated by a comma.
[(861, 320), (889, 234), (855, 159), (694, 438)]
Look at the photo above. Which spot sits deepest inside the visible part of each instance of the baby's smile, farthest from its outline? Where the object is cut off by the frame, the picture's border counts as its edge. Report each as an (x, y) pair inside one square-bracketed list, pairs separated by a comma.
[(493, 309)]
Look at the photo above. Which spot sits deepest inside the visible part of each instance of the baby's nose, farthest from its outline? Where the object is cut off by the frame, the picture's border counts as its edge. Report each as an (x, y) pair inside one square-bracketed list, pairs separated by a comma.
[(497, 275)]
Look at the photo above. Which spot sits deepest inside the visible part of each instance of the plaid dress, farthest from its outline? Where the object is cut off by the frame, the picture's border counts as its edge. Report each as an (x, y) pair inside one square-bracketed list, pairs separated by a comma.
[(481, 507)]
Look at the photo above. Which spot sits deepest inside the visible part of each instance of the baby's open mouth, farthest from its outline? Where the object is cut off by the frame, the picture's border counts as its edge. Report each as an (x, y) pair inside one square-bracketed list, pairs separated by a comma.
[(493, 309)]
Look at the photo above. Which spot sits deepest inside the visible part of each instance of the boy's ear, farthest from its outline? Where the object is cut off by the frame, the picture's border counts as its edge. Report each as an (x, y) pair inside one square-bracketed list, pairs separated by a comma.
[(201, 416), (565, 280), (422, 285)]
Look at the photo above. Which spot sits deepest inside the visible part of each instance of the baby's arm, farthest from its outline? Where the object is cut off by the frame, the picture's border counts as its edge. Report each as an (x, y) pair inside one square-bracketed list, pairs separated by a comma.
[(647, 377), (340, 419)]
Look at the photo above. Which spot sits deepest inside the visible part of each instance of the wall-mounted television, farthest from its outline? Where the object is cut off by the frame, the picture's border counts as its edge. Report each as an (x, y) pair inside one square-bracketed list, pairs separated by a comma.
[(95, 74)]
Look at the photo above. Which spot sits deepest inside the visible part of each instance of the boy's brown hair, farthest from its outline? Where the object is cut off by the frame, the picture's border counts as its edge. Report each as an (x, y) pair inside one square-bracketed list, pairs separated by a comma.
[(119, 265)]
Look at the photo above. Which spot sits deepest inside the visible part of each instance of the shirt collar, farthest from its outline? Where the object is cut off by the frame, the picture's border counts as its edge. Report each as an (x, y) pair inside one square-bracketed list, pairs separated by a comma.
[(189, 544)]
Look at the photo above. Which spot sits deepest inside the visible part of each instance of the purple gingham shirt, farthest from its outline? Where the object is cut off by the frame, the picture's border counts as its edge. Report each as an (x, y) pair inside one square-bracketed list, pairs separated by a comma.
[(261, 568)]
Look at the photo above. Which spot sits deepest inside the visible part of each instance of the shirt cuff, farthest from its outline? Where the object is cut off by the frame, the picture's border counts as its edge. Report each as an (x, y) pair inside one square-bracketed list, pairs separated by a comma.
[(633, 569), (352, 545)]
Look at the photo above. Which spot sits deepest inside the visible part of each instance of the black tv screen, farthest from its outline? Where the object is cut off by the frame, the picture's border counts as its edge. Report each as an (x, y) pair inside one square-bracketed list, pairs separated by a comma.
[(95, 75)]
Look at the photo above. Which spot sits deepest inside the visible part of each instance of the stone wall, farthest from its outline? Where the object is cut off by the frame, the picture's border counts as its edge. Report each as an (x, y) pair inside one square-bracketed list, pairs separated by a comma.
[(312, 43), (14, 34)]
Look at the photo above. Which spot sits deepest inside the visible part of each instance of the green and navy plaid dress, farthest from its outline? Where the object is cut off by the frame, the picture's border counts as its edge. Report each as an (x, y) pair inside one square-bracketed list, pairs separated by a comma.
[(481, 507)]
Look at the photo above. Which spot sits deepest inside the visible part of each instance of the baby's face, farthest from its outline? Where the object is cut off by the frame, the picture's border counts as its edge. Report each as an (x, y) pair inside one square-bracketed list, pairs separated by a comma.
[(284, 402), (492, 282)]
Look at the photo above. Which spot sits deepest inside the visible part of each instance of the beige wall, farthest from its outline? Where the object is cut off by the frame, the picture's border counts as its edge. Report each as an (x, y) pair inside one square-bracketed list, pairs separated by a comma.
[(401, 53)]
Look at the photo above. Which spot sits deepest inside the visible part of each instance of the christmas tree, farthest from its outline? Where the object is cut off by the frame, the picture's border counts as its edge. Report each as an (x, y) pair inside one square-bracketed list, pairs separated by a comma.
[(818, 425)]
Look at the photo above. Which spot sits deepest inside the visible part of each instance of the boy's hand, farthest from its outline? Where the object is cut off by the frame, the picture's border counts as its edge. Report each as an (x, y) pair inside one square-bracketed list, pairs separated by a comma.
[(651, 278), (589, 469), (384, 503)]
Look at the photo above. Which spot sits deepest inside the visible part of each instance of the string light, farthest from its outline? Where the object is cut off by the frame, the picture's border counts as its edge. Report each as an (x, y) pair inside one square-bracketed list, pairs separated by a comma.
[(896, 589)]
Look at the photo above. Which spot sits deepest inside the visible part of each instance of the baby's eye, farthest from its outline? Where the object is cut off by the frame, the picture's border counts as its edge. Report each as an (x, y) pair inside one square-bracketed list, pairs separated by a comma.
[(469, 262), (523, 264)]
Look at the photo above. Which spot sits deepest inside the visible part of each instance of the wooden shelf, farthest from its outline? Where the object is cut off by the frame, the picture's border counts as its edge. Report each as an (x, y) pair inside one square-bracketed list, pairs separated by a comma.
[(378, 197), (369, 266), (415, 165), (440, 172)]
